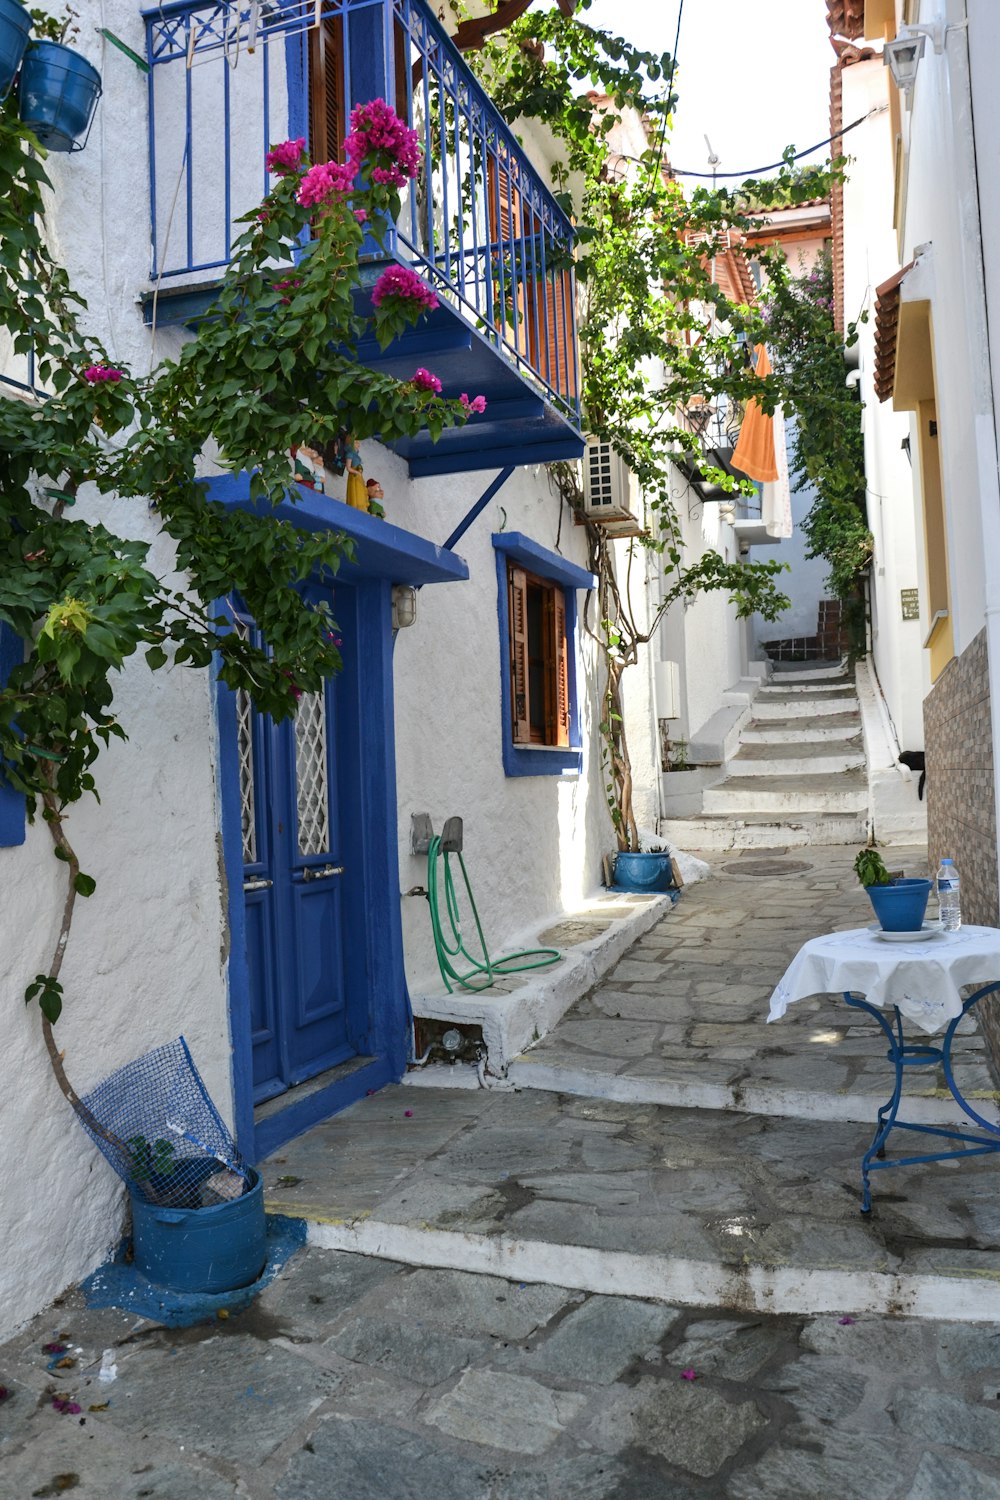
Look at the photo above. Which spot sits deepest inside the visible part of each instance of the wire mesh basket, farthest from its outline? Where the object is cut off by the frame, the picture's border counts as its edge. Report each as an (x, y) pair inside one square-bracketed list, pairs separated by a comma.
[(154, 1121)]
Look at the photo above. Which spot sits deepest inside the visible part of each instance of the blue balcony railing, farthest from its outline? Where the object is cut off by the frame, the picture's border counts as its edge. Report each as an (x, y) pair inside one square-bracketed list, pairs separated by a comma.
[(478, 222)]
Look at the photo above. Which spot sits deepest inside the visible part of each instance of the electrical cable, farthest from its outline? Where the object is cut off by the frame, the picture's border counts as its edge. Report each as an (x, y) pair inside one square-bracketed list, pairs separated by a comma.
[(774, 165), (670, 85), (483, 972)]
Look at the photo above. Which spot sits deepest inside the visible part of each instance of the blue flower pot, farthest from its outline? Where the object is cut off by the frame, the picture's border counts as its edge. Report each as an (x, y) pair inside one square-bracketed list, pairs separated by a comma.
[(213, 1249), (900, 907), (57, 94), (15, 24), (643, 874)]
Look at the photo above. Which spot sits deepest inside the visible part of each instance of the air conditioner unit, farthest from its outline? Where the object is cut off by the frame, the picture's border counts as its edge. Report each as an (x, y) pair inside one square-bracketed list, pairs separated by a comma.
[(607, 483)]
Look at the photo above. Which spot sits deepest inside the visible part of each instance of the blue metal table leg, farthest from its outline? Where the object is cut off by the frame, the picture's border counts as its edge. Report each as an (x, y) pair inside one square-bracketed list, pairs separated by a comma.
[(903, 1055)]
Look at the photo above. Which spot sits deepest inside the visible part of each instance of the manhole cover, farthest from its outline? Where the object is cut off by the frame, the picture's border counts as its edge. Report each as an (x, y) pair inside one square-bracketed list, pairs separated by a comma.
[(767, 867)]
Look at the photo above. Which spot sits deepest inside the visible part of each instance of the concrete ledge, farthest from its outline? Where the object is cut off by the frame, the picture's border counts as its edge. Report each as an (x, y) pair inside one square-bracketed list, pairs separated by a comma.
[(933, 1108), (971, 1297), (521, 1009)]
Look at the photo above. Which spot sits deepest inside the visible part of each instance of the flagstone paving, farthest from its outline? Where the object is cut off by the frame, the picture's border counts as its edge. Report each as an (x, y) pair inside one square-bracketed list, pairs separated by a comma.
[(357, 1379), (556, 1293), (693, 996)]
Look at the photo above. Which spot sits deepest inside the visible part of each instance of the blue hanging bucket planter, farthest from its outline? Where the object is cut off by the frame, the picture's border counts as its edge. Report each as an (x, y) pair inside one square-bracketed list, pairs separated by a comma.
[(900, 907), (643, 874), (57, 94), (211, 1249), (15, 24)]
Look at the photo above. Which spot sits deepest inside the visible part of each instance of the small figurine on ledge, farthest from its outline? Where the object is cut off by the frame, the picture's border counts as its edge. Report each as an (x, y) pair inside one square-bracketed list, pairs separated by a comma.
[(357, 493), (375, 494)]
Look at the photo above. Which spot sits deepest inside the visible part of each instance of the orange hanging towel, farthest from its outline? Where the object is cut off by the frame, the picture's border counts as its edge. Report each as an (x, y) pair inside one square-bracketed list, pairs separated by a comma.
[(754, 453)]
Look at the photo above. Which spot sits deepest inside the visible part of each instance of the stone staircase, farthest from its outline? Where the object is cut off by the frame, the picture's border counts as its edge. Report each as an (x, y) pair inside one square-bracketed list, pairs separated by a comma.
[(797, 777)]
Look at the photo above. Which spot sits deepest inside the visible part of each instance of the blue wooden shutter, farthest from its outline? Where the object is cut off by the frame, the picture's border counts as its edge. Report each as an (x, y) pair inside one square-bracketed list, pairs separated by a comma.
[(11, 802)]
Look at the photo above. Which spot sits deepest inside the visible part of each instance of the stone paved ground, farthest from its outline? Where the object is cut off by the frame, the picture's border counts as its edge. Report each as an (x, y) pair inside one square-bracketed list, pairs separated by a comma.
[(694, 995), (355, 1375), (361, 1379)]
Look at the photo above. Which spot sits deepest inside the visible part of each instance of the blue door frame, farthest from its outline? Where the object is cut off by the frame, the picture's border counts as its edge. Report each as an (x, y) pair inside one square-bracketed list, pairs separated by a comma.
[(383, 555)]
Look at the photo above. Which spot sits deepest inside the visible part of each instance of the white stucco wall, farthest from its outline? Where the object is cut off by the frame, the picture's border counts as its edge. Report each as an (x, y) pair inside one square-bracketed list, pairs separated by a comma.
[(146, 957), (870, 257)]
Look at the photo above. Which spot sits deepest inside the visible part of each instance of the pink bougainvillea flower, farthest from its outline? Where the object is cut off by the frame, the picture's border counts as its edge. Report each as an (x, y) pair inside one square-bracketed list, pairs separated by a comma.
[(408, 1113), (846, 1321), (286, 157), (402, 283), (376, 129), (94, 374), (54, 1348), (319, 184), (425, 381), (476, 405), (65, 1405), (361, 215), (689, 1375)]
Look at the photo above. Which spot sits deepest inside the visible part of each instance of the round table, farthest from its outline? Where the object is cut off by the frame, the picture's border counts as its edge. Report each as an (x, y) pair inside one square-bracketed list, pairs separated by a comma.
[(920, 982)]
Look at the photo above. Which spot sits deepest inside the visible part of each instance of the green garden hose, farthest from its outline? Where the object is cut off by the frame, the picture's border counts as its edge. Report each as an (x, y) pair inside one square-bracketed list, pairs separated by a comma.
[(482, 973)]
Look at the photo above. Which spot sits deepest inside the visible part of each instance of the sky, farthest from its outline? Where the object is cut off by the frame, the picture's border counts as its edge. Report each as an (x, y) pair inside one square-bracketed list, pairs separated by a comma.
[(752, 88)]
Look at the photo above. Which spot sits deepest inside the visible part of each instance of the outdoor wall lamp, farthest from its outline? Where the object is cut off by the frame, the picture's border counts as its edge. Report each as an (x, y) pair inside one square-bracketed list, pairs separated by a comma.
[(404, 606), (902, 55)]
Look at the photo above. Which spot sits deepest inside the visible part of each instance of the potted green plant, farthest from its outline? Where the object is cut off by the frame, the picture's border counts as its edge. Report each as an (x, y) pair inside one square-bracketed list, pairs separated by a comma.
[(15, 24), (58, 89), (898, 902)]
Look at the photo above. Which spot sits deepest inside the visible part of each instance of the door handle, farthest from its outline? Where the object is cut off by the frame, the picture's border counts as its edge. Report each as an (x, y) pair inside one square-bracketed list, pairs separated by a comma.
[(257, 885), (323, 873)]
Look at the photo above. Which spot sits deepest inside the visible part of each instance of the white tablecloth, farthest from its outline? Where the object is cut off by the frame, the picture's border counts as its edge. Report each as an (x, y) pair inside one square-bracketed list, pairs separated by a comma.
[(923, 979)]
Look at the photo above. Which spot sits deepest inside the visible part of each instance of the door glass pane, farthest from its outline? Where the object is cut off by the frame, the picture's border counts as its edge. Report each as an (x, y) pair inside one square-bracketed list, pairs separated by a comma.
[(312, 792)]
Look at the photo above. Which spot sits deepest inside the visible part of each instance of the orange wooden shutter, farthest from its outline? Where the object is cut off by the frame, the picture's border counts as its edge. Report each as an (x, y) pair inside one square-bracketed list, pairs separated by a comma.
[(560, 657), (551, 344), (327, 125), (517, 589)]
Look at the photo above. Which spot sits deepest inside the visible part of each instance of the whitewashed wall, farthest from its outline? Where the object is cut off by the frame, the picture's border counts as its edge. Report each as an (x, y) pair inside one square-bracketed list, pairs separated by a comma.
[(147, 957), (533, 844), (870, 257)]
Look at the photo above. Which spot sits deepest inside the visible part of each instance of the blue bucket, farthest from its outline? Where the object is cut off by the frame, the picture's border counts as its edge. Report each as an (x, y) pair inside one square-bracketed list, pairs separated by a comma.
[(900, 907), (56, 95), (15, 24), (643, 874), (213, 1249)]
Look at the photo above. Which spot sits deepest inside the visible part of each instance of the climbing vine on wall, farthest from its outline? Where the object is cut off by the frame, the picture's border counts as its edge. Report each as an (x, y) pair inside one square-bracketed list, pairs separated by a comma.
[(273, 364), (827, 447), (657, 334)]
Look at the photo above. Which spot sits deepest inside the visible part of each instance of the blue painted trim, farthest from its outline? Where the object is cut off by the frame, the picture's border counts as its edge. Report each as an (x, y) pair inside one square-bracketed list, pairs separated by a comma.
[(381, 550), (491, 489), (12, 805), (539, 760), (540, 560), (368, 771), (297, 83)]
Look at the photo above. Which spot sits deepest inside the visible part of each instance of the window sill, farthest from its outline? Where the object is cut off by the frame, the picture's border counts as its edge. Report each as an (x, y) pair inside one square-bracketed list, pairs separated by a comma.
[(541, 760)]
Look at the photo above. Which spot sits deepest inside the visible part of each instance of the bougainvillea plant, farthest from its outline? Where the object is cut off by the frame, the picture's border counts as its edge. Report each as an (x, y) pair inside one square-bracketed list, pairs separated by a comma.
[(275, 359)]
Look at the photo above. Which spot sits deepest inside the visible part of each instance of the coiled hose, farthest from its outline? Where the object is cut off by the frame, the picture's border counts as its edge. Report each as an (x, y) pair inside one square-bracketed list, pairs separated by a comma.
[(482, 973)]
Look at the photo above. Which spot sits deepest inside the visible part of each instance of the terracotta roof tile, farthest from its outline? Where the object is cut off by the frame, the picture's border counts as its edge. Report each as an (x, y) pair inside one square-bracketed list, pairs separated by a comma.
[(886, 331), (837, 200), (846, 17)]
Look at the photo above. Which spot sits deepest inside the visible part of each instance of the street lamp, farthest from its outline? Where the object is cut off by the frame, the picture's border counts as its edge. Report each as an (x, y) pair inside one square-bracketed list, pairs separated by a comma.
[(902, 55)]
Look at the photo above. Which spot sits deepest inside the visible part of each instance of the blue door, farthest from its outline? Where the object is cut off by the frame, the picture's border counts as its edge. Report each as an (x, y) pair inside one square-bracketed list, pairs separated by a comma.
[(298, 880)]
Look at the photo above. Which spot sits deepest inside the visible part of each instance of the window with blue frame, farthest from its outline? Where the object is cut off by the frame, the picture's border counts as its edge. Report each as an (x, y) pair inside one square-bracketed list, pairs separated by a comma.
[(536, 605)]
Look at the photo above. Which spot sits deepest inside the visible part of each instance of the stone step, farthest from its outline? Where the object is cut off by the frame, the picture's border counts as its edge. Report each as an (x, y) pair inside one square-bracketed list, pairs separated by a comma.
[(796, 759), (788, 706), (805, 689), (787, 731), (808, 672), (846, 792), (720, 831), (712, 1208)]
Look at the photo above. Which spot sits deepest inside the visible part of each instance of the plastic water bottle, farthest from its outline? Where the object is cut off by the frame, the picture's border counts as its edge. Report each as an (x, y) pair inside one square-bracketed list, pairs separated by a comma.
[(948, 896)]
